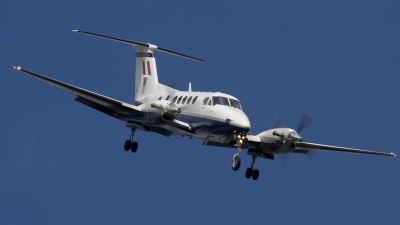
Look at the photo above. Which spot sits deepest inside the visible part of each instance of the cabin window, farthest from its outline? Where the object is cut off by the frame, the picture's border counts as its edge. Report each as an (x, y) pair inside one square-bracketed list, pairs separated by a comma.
[(205, 101), (235, 103), (160, 98), (174, 100), (194, 100), (220, 101), (184, 100), (189, 99), (179, 100), (167, 98)]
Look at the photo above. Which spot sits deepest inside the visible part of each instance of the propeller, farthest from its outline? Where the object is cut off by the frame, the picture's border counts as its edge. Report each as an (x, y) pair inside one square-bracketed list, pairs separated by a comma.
[(277, 123), (306, 119), (171, 83)]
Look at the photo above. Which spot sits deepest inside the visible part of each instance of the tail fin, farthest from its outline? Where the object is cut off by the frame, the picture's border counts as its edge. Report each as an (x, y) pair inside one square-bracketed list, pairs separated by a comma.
[(146, 79)]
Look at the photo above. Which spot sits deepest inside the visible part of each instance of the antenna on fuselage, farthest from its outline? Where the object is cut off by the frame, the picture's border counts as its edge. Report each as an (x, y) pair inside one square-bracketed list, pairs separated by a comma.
[(147, 45)]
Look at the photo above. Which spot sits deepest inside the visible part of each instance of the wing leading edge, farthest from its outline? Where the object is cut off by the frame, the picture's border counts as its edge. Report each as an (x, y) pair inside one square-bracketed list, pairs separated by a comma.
[(99, 102), (330, 148)]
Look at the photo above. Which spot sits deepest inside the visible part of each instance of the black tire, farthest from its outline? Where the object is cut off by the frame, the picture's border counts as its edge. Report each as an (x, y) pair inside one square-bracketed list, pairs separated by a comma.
[(248, 173), (127, 145), (255, 174), (236, 163), (134, 147)]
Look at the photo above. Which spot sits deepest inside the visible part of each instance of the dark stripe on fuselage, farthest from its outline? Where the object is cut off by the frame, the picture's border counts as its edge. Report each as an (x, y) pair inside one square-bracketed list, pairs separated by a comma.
[(199, 124)]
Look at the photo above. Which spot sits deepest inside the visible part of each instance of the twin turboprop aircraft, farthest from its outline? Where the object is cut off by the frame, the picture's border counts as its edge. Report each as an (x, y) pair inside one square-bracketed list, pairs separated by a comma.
[(214, 117)]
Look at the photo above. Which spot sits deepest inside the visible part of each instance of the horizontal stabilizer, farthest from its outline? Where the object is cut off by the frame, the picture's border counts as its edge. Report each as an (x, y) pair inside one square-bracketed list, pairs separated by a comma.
[(147, 45)]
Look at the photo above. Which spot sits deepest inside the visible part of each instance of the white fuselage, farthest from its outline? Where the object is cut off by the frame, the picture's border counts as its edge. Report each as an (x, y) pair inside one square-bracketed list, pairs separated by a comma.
[(208, 119)]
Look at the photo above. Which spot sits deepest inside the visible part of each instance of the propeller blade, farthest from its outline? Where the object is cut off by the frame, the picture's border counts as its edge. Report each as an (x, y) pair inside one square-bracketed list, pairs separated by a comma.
[(311, 154), (305, 120), (282, 158), (277, 123), (171, 83)]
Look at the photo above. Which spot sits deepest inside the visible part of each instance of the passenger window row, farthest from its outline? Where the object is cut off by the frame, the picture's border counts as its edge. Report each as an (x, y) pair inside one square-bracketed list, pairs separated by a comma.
[(215, 100), (184, 100)]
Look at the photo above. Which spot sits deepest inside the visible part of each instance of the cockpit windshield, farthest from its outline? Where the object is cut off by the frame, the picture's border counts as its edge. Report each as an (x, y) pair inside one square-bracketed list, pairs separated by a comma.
[(235, 103), (220, 100), (217, 100)]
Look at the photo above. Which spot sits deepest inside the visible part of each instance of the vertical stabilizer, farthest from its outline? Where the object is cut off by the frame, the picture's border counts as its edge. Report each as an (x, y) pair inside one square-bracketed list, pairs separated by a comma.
[(146, 78)]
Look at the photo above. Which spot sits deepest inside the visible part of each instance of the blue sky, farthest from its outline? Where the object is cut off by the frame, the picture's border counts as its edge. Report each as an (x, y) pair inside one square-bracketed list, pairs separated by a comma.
[(63, 163)]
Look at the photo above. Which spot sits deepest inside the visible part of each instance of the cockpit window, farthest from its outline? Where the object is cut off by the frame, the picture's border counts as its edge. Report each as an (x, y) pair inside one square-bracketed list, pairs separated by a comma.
[(235, 103), (220, 100), (206, 100)]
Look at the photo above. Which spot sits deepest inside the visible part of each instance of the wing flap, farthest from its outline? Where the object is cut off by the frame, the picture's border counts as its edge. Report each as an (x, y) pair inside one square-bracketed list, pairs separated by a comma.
[(319, 147), (97, 106), (99, 102)]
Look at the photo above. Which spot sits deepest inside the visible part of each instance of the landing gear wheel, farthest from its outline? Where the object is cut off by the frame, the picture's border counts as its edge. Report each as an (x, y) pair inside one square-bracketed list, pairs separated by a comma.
[(134, 147), (249, 172), (236, 163), (255, 174), (127, 145)]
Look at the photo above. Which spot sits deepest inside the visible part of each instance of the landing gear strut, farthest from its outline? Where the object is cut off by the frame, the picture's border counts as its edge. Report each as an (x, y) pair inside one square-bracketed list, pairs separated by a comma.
[(236, 160), (251, 172), (130, 144)]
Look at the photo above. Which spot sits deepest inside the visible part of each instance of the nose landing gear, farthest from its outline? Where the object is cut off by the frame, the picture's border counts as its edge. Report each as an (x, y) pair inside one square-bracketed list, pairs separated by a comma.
[(130, 144), (236, 160)]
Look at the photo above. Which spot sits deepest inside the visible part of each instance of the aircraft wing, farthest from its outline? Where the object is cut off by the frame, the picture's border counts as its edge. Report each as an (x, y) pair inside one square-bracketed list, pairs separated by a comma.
[(304, 147), (99, 102), (318, 147)]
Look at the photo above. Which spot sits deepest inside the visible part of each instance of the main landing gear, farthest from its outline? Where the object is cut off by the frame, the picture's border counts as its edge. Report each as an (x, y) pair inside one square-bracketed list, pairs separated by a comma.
[(130, 144), (251, 172)]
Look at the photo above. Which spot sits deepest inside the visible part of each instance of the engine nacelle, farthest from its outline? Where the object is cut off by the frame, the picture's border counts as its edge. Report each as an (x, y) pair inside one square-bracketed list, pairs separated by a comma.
[(278, 140), (162, 109)]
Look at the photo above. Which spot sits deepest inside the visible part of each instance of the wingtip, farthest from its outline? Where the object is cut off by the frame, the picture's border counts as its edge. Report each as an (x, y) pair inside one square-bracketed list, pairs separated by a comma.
[(14, 67), (75, 30), (394, 155)]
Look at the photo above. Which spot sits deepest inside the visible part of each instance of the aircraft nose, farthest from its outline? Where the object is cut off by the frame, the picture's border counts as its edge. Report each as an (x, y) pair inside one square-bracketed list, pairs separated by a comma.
[(244, 122)]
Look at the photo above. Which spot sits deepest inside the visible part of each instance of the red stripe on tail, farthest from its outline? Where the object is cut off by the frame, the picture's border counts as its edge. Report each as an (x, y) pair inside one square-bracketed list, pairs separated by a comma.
[(148, 68)]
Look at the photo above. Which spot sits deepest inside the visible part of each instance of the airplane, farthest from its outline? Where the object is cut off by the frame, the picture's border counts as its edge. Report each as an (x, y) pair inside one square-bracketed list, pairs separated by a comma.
[(217, 118)]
